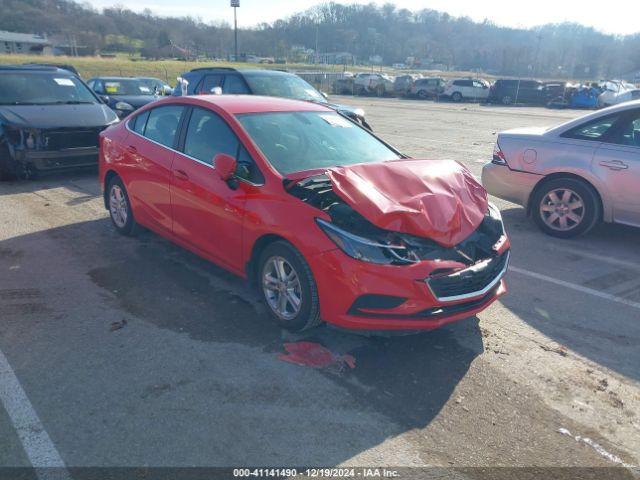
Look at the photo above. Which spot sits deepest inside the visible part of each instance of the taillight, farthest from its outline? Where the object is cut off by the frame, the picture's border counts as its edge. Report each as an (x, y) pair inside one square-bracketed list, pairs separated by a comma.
[(498, 156)]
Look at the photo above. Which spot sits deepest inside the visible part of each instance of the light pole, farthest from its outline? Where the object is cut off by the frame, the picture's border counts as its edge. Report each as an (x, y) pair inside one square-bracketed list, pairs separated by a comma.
[(235, 4)]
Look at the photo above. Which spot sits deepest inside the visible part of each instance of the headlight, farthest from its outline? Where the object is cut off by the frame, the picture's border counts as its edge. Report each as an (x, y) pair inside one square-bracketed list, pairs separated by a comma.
[(123, 106), (362, 248)]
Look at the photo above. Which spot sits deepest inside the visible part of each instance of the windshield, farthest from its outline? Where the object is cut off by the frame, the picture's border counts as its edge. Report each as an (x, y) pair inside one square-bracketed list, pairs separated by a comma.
[(287, 86), (20, 88), (296, 141), (126, 87)]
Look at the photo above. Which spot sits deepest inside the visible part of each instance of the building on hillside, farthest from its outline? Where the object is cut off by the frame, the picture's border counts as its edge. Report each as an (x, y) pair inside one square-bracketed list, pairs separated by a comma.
[(24, 43)]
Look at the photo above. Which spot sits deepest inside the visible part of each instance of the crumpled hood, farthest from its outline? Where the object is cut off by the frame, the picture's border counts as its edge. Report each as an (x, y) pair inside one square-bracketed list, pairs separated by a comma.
[(437, 199)]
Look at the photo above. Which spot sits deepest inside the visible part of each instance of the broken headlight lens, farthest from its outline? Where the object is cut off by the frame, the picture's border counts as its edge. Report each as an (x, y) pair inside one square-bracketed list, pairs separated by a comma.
[(365, 249)]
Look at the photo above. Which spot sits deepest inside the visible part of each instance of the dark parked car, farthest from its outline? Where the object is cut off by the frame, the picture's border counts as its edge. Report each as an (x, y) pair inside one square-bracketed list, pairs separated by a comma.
[(124, 95), (532, 92), (156, 85), (49, 120), (271, 83)]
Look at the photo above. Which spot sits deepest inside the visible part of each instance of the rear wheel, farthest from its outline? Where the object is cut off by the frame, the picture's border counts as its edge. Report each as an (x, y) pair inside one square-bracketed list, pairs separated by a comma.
[(565, 207), (422, 94), (456, 97), (288, 287), (120, 208)]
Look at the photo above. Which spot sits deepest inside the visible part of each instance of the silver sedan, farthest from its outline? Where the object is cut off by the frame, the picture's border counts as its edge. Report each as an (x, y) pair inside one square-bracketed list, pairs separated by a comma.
[(572, 176)]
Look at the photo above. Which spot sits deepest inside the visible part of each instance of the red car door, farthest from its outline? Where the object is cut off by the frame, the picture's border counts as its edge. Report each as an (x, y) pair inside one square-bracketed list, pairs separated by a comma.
[(150, 153), (207, 212)]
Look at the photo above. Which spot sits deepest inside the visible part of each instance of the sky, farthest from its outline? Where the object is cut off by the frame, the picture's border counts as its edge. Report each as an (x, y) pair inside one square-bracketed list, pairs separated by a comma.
[(617, 18)]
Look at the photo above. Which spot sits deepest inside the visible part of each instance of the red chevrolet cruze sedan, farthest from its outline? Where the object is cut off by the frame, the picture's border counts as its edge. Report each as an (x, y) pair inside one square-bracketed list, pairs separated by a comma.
[(332, 223)]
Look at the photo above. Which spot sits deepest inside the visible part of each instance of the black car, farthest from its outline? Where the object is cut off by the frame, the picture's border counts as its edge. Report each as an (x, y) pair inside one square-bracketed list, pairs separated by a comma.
[(271, 83), (123, 94), (532, 92), (49, 120)]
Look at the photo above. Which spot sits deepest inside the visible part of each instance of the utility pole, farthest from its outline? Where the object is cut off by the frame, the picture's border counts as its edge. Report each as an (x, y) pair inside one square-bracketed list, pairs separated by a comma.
[(235, 4)]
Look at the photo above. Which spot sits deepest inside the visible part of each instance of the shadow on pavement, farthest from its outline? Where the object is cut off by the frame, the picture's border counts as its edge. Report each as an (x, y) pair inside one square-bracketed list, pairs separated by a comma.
[(403, 381), (602, 331)]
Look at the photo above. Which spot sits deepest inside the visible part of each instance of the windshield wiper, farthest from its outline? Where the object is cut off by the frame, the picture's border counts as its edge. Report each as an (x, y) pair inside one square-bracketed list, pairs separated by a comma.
[(19, 103), (70, 102)]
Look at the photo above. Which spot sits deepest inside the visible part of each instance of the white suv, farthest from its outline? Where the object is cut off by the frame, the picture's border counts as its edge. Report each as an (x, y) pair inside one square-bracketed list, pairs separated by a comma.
[(377, 83), (467, 89)]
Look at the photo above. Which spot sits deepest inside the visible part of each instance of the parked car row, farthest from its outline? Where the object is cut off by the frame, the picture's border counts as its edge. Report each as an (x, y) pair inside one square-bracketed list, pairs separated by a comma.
[(502, 91)]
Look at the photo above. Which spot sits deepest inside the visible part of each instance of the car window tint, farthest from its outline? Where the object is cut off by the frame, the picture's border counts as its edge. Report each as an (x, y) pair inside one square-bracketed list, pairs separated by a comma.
[(138, 123), (209, 83), (209, 135), (593, 130), (629, 132), (234, 84), (247, 168), (162, 124)]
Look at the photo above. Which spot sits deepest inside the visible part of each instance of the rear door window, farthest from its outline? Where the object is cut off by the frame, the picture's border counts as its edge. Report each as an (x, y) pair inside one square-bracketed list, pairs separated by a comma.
[(138, 123), (596, 130), (209, 82), (162, 124), (235, 85)]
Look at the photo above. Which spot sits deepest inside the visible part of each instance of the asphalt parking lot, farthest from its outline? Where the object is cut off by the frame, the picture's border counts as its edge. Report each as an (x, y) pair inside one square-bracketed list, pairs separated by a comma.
[(133, 352)]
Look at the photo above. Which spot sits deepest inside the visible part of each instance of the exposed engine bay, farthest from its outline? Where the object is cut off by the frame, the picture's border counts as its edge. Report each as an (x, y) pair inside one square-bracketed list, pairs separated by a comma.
[(399, 248)]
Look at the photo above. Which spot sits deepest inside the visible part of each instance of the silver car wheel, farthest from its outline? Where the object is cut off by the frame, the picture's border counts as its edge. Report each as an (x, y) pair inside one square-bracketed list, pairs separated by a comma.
[(281, 287), (562, 209), (118, 206)]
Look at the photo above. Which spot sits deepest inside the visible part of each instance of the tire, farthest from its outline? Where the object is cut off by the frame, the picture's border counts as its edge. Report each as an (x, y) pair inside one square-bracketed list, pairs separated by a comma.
[(456, 97), (507, 100), (295, 319), (117, 204), (422, 94), (549, 215)]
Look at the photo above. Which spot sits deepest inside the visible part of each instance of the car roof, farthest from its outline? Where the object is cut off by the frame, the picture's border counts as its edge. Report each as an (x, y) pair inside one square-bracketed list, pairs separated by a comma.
[(115, 78), (238, 104), (240, 70), (36, 68)]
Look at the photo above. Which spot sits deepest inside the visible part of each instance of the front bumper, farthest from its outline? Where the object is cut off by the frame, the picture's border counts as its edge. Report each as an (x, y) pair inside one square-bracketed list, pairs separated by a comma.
[(511, 185), (411, 304), (49, 160)]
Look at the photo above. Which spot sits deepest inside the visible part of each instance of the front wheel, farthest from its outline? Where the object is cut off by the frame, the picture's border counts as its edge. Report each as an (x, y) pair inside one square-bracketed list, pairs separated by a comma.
[(456, 97), (120, 207), (288, 287), (565, 208)]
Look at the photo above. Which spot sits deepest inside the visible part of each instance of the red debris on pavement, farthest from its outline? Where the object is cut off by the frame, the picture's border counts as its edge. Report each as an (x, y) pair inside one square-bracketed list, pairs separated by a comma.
[(311, 354)]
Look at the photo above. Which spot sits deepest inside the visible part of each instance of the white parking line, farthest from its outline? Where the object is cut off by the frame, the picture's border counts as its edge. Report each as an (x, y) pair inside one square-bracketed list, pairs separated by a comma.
[(35, 440), (578, 288)]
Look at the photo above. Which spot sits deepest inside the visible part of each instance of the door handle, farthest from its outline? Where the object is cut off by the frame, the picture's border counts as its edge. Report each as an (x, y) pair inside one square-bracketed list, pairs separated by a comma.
[(614, 164), (180, 175)]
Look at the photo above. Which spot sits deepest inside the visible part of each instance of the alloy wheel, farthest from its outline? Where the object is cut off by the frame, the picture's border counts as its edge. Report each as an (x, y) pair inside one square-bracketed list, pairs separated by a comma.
[(281, 287), (562, 209), (118, 206)]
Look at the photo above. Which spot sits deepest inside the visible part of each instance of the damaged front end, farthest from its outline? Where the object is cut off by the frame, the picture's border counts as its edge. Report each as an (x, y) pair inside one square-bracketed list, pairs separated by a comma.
[(30, 150), (361, 239)]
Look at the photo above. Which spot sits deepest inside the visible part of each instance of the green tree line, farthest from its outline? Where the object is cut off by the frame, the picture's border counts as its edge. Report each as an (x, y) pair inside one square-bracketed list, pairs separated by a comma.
[(553, 50)]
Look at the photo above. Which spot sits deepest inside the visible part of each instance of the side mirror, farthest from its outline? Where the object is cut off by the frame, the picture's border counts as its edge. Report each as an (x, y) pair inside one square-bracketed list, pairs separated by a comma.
[(104, 99), (225, 165)]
